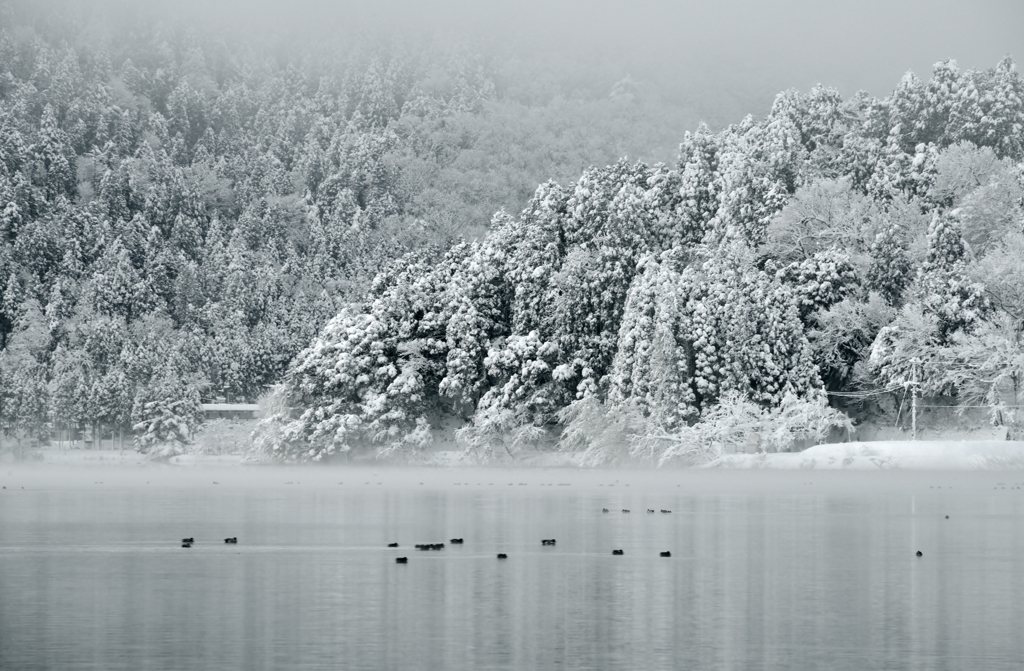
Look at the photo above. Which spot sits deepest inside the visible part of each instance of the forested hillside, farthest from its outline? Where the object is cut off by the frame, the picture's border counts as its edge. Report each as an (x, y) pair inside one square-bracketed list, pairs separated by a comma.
[(182, 212), (656, 311)]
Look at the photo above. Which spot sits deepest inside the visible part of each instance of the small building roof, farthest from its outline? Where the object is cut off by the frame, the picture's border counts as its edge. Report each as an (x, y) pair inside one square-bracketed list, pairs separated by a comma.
[(230, 407)]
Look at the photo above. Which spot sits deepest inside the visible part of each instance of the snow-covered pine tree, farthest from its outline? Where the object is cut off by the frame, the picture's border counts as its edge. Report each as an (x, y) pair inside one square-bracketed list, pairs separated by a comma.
[(760, 166), (700, 185), (56, 157), (820, 281), (117, 287), (372, 375), (943, 287), (480, 302), (651, 365), (822, 119), (167, 411), (24, 392), (890, 271)]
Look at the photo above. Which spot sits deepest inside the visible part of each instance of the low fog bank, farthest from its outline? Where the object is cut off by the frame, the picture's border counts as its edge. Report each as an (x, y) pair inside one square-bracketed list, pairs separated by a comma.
[(623, 484), (888, 455), (112, 468)]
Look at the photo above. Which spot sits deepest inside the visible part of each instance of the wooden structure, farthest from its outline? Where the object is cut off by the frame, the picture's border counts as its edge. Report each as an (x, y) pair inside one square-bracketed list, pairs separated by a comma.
[(230, 410)]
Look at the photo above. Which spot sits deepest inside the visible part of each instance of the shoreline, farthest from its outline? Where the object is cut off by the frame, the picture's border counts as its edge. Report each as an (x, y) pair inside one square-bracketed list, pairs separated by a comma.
[(972, 454)]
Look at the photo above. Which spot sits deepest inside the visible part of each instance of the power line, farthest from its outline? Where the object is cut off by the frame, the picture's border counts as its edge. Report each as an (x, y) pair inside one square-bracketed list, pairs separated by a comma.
[(960, 405), (863, 394)]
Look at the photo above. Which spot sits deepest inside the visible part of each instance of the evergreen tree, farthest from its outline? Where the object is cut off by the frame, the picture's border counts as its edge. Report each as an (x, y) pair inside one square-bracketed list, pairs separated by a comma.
[(651, 369), (24, 394), (944, 289), (820, 281), (890, 271)]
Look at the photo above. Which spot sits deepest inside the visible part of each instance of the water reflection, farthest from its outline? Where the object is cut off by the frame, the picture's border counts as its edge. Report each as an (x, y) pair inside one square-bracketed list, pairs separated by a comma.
[(763, 574)]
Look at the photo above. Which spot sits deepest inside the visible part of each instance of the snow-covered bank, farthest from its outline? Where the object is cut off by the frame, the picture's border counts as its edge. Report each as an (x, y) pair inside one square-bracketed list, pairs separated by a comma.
[(874, 455), (920, 454)]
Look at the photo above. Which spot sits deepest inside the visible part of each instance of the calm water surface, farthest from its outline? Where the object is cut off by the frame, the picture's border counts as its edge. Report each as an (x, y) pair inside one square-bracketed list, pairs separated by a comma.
[(769, 570)]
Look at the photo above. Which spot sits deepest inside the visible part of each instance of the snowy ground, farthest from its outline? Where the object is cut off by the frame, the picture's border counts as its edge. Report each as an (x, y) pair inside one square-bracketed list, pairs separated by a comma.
[(920, 454)]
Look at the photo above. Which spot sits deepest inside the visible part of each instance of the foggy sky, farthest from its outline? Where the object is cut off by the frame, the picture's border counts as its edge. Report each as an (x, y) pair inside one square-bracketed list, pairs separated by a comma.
[(862, 44)]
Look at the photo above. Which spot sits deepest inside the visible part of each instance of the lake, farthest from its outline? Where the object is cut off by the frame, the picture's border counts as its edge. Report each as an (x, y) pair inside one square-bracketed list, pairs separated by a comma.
[(769, 570)]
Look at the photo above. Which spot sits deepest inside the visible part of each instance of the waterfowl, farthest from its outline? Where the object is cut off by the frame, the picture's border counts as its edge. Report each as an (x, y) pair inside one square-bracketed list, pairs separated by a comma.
[(233, 540), (549, 541), (502, 555), (604, 510), (401, 560), (650, 510), (666, 554), (920, 554), (456, 541), (625, 510), (186, 545), (392, 545), (666, 511), (618, 552), (947, 517), (188, 540)]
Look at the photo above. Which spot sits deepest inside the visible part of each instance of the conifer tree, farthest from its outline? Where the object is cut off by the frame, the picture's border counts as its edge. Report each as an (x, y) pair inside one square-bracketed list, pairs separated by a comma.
[(944, 289), (890, 271)]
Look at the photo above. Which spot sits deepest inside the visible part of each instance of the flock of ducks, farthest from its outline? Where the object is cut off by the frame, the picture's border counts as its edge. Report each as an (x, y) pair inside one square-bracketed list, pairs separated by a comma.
[(547, 542), (187, 542), (233, 540)]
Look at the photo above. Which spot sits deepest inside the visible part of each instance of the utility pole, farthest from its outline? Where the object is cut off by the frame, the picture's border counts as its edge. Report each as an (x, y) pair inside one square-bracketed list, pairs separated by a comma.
[(913, 397)]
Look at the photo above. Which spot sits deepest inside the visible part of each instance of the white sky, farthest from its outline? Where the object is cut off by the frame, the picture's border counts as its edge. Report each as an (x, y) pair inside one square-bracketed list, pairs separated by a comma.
[(850, 44)]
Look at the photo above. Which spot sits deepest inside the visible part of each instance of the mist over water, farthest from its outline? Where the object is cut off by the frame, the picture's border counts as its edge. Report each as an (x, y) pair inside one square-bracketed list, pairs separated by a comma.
[(775, 570)]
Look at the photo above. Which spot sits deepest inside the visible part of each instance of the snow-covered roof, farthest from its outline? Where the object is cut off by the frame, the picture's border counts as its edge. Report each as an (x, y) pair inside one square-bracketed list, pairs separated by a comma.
[(230, 407)]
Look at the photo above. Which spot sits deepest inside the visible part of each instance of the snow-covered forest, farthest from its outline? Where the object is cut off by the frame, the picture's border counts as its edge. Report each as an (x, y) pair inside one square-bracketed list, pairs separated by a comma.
[(182, 212), (184, 219), (660, 311)]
